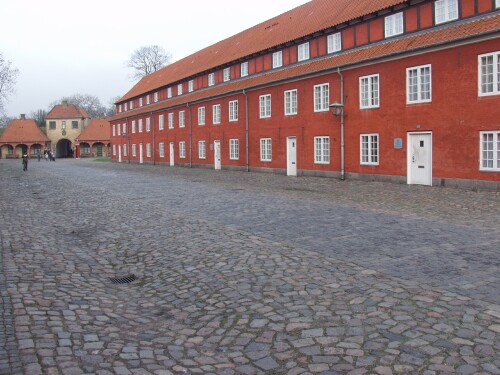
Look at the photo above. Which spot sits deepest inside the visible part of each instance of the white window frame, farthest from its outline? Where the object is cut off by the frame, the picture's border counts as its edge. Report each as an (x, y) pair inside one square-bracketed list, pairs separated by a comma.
[(148, 150), (265, 106), (211, 79), (233, 110), (369, 91), (139, 127), (147, 100), (171, 120), (114, 150), (244, 69), (161, 122), (491, 153), (131, 105), (394, 25), (416, 81), (169, 92), (226, 74), (119, 129), (277, 59), (134, 150), (266, 149), (369, 147), (182, 149), (148, 124), (303, 52), (445, 11), (156, 97), (201, 116), (334, 42), (487, 84), (182, 119), (202, 150), (179, 89), (124, 149), (140, 102), (321, 97), (114, 130), (133, 127), (190, 86), (322, 150), (161, 149), (120, 108), (291, 102), (125, 106), (216, 114), (234, 149)]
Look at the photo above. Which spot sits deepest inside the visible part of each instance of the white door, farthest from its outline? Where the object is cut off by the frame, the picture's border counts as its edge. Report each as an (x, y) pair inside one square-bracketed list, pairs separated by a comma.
[(217, 162), (172, 154), (140, 154), (291, 156), (119, 153), (419, 150)]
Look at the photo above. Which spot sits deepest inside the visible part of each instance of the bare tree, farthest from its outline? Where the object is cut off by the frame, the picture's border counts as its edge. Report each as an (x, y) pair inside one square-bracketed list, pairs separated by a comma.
[(90, 103), (147, 60), (8, 77), (5, 120), (39, 117)]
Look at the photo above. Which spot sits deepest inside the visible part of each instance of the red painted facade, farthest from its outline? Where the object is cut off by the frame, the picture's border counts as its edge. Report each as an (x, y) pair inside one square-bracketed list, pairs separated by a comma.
[(455, 114)]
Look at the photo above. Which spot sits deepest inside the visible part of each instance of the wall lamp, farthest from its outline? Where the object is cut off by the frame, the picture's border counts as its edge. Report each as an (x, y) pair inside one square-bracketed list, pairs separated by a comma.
[(337, 109)]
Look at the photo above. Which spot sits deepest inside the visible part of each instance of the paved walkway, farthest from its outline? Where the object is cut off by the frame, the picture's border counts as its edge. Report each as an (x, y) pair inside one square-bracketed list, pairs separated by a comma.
[(242, 273)]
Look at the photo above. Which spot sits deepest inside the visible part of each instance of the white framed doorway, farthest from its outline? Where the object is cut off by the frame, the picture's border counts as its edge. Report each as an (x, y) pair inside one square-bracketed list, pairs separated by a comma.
[(419, 158), (291, 156), (217, 156), (141, 157), (172, 154)]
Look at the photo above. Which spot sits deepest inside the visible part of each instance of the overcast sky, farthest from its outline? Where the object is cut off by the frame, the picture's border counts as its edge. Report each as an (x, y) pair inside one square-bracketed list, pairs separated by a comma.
[(62, 48)]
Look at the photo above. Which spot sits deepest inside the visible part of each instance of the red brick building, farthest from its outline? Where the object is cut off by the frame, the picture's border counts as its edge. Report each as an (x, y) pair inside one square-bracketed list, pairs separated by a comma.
[(405, 91), (95, 140)]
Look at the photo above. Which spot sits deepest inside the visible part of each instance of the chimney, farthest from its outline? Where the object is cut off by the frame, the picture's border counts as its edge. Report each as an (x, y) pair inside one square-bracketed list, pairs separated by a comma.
[(65, 102), (23, 116)]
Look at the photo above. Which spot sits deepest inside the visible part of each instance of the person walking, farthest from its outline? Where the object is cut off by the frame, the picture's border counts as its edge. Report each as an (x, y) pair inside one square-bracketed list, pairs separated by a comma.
[(25, 162)]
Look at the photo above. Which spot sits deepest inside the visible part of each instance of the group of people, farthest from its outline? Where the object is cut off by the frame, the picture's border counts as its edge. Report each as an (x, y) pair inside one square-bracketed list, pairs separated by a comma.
[(47, 154)]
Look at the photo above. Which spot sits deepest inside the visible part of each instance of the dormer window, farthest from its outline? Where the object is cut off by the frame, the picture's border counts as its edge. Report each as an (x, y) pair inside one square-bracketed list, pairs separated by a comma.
[(334, 42), (277, 59), (211, 79), (169, 92), (446, 10), (227, 74), (140, 102), (147, 99), (244, 68), (126, 107), (394, 25), (303, 52), (179, 89), (131, 105), (120, 108), (191, 86), (156, 97)]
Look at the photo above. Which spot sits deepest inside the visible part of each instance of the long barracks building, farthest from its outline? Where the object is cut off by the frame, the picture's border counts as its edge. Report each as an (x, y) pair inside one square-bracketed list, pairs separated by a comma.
[(389, 90)]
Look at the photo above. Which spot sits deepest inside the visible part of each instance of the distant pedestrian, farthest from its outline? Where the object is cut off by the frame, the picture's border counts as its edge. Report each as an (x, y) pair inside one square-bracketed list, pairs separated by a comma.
[(38, 155), (25, 162), (46, 155)]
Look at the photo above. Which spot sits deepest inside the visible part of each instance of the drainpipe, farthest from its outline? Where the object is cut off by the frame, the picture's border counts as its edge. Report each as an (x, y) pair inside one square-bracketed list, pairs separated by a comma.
[(154, 145), (190, 137), (246, 131), (342, 169)]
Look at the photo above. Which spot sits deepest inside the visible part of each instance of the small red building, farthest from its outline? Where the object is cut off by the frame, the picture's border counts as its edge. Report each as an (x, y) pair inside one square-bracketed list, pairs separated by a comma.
[(23, 136), (95, 140), (390, 90)]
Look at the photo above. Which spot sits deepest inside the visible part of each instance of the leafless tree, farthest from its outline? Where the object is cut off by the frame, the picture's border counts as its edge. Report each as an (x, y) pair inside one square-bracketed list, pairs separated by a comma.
[(8, 77), (39, 117), (4, 121), (148, 59)]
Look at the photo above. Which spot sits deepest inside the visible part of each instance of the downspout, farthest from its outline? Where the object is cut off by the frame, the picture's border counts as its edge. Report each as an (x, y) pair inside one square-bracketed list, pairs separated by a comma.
[(342, 161), (154, 145), (128, 142), (190, 137), (246, 131)]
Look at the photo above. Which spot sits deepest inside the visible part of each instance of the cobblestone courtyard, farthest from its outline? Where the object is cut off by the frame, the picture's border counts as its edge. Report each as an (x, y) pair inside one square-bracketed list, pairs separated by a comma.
[(242, 273)]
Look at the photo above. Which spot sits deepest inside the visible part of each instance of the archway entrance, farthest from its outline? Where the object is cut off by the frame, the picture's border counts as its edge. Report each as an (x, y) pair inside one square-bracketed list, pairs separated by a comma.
[(63, 149)]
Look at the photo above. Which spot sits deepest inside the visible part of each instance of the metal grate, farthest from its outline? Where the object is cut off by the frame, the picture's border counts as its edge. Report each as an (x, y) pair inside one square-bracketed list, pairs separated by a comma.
[(123, 280)]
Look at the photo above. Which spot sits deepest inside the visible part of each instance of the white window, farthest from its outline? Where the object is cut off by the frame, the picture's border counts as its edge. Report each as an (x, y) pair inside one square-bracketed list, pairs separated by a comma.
[(148, 124), (277, 59), (147, 99), (244, 69), (119, 128), (202, 150), (369, 149), (489, 74), (182, 119), (114, 150), (211, 79), (140, 102), (191, 86), (161, 148), (114, 130), (140, 126), (216, 114), (369, 91), (134, 150), (265, 106), (394, 25), (182, 149), (322, 150), (446, 10), (490, 151), (124, 130), (156, 97), (321, 97), (169, 92), (179, 89), (131, 105), (334, 42), (303, 52), (170, 120), (227, 74), (266, 150), (148, 150), (126, 106), (201, 115), (120, 108), (161, 122), (419, 88), (290, 102), (124, 149), (234, 149), (233, 110)]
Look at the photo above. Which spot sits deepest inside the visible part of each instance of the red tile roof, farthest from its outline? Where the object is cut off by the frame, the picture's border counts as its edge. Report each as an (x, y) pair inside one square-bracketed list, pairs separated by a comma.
[(299, 22), (66, 111), (97, 130), (370, 52), (23, 131)]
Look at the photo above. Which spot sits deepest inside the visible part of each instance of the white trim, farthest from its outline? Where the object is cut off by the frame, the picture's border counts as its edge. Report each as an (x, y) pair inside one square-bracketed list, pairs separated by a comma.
[(234, 149), (372, 94), (419, 76), (303, 52), (495, 74), (202, 150), (322, 154), (323, 99), (233, 111), (266, 149), (265, 106), (442, 11), (370, 154), (334, 42), (495, 151), (393, 25), (244, 69), (216, 114), (409, 155), (293, 107), (277, 59)]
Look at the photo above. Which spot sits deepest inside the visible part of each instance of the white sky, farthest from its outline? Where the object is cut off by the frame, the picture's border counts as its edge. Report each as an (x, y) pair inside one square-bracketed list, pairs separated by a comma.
[(66, 47)]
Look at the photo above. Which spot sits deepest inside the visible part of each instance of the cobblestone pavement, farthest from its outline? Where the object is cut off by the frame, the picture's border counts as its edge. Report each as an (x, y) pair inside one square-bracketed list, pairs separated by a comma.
[(242, 273)]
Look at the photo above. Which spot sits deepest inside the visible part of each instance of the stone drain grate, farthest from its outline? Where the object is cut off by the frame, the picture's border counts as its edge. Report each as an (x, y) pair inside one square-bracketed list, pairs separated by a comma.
[(123, 280)]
